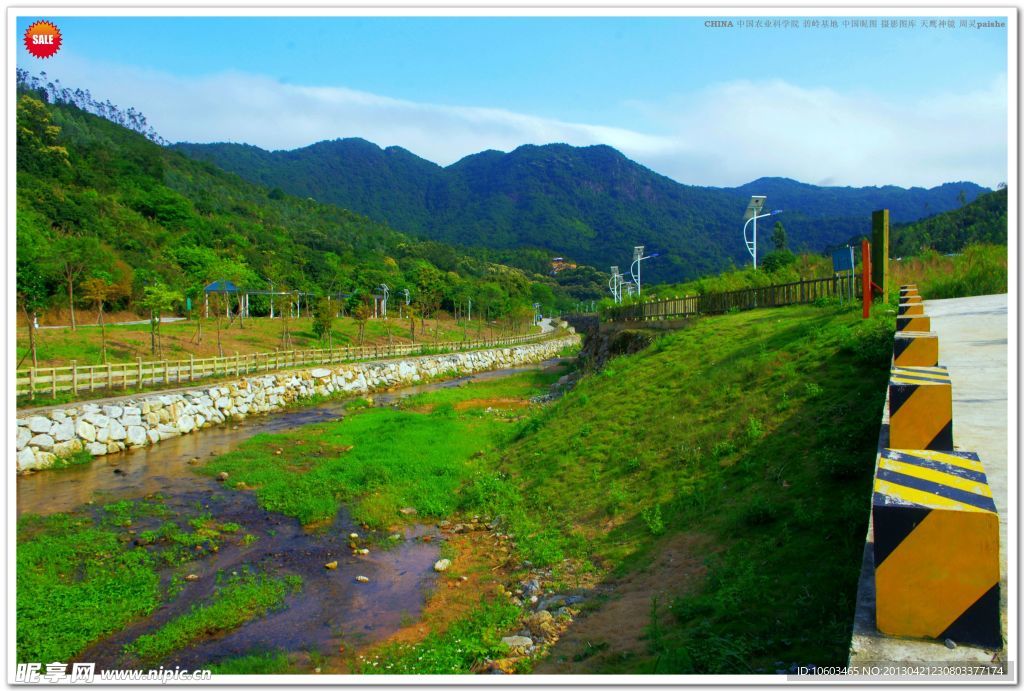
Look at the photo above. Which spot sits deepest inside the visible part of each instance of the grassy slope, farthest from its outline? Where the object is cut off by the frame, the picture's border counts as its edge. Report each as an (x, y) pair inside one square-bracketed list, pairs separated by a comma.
[(757, 429)]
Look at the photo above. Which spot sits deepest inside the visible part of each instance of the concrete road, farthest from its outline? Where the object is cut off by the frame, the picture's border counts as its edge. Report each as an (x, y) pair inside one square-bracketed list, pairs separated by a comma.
[(973, 335)]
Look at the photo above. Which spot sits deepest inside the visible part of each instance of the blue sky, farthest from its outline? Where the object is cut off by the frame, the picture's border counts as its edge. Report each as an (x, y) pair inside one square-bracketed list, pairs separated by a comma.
[(672, 93)]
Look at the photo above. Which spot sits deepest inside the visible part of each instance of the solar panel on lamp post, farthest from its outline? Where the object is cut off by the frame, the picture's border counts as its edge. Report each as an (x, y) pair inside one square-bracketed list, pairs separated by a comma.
[(638, 256), (753, 213)]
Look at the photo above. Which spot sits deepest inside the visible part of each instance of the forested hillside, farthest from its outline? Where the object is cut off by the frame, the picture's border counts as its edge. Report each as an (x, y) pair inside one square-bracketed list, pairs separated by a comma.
[(590, 203), (103, 208), (982, 221)]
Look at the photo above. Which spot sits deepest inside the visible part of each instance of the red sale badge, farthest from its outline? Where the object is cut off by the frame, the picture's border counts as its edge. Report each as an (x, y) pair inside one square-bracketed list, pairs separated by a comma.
[(42, 39)]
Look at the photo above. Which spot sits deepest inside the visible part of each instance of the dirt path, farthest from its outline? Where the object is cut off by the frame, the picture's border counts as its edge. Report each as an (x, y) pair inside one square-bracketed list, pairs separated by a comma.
[(614, 632)]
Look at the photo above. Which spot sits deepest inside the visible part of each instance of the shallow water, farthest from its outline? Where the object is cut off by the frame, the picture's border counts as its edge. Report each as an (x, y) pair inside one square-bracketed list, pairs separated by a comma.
[(332, 610)]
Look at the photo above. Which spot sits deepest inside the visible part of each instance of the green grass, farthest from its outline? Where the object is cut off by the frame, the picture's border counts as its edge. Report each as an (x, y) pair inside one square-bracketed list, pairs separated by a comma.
[(271, 662), (76, 583), (126, 342), (398, 459), (978, 270), (83, 576), (756, 429), (235, 601), (469, 641), (522, 385)]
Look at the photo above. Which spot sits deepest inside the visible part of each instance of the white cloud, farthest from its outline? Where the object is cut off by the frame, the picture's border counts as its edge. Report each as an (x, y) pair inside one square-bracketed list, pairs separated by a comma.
[(720, 136), (739, 131)]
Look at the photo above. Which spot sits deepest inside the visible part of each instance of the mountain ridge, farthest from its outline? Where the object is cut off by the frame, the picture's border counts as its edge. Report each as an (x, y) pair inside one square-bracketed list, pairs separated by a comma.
[(591, 203)]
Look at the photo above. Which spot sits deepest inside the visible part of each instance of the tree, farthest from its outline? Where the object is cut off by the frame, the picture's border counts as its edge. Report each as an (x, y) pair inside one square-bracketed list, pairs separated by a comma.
[(284, 305), (31, 294), (410, 313), (779, 236), (158, 298), (98, 289), (362, 314), (38, 144), (323, 320), (71, 256)]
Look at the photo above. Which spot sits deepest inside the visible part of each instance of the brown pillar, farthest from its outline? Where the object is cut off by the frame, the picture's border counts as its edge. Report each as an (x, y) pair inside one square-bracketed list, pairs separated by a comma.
[(880, 251)]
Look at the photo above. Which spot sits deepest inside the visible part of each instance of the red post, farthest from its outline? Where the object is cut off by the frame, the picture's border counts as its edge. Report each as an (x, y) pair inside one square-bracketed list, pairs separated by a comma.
[(865, 253)]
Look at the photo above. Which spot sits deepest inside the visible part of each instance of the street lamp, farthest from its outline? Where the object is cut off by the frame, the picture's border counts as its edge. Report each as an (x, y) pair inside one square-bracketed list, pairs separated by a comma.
[(638, 256), (384, 307), (615, 285), (753, 213)]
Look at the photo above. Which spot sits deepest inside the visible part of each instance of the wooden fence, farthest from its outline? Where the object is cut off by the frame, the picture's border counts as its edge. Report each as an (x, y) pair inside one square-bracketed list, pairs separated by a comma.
[(716, 303), (121, 375)]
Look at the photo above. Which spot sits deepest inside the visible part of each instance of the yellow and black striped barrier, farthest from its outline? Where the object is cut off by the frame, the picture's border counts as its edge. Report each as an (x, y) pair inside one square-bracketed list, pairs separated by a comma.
[(916, 323), (936, 547), (920, 408), (910, 309), (915, 349), (908, 292), (911, 299)]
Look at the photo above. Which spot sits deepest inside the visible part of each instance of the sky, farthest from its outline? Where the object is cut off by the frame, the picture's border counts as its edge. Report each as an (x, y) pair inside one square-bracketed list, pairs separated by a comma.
[(706, 105)]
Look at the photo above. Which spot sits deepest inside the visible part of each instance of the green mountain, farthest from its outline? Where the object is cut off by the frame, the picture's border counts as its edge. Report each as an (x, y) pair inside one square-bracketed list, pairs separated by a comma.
[(591, 204), (984, 220), (96, 199)]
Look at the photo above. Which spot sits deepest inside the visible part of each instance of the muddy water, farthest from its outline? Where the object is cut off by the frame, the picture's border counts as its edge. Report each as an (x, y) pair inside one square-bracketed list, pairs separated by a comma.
[(332, 610)]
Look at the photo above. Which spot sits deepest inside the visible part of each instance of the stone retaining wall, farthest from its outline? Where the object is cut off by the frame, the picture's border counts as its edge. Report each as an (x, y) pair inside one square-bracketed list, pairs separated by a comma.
[(114, 427)]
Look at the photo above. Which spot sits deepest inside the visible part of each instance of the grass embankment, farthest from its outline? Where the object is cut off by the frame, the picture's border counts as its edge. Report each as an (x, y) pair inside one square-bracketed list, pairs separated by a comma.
[(83, 576), (125, 343), (978, 270), (747, 439)]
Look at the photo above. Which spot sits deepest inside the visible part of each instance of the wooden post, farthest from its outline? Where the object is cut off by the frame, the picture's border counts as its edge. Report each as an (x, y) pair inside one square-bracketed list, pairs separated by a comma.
[(74, 377), (880, 251), (237, 365), (53, 382), (139, 361), (92, 378), (32, 383), (191, 367), (865, 251), (110, 376)]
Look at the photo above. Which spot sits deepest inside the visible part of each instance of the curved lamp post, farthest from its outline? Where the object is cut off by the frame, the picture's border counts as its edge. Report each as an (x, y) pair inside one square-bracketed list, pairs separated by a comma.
[(753, 213)]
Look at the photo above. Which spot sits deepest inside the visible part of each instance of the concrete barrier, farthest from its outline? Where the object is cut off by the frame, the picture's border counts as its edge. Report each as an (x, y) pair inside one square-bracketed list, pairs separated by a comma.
[(915, 349), (911, 299), (909, 289), (917, 323), (910, 309), (920, 408), (936, 547)]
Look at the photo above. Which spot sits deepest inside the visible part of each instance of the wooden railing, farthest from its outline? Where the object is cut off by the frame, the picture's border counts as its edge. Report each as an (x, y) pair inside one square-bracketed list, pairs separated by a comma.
[(797, 293), (138, 374)]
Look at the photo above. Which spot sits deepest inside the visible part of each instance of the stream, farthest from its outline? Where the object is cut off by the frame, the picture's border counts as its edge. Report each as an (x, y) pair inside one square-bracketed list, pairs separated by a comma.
[(332, 610)]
